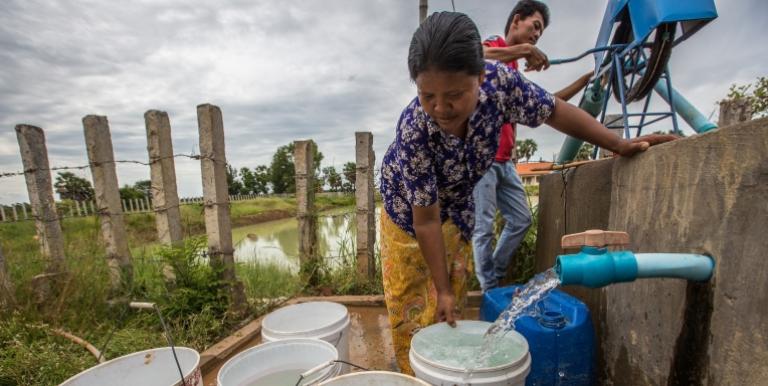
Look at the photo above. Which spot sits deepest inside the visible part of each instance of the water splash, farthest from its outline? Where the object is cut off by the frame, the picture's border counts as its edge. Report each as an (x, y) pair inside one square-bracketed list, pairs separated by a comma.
[(523, 303)]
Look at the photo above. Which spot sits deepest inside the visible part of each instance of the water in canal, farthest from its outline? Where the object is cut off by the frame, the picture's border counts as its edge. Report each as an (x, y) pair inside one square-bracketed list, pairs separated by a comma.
[(277, 242)]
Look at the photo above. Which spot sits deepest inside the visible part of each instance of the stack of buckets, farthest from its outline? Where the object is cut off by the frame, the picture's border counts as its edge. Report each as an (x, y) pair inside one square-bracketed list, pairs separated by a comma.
[(304, 338)]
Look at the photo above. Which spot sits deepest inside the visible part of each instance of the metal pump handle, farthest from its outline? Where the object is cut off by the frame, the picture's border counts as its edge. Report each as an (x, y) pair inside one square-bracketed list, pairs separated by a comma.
[(594, 238)]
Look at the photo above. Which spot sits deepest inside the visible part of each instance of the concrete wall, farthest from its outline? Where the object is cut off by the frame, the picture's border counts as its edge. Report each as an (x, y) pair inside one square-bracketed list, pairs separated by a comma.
[(705, 194)]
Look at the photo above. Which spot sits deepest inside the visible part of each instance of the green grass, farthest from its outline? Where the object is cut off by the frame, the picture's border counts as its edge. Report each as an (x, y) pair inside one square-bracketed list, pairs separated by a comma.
[(195, 307)]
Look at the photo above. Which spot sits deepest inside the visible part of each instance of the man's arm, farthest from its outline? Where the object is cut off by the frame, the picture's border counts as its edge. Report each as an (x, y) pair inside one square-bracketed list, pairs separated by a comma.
[(534, 58), (572, 89), (429, 234)]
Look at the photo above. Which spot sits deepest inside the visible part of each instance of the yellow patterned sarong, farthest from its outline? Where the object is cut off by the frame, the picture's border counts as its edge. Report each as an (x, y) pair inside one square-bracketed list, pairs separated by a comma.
[(408, 288)]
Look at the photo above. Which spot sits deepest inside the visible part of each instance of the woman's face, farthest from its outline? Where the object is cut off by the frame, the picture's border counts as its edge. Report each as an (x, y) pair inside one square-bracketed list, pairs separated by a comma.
[(449, 98)]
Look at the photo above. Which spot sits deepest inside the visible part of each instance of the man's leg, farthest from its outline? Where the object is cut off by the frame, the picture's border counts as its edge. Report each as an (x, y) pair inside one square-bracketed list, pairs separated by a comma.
[(484, 195), (513, 205)]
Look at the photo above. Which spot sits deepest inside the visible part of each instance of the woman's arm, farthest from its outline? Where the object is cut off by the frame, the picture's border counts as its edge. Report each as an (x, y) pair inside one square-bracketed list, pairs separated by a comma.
[(429, 234), (575, 122)]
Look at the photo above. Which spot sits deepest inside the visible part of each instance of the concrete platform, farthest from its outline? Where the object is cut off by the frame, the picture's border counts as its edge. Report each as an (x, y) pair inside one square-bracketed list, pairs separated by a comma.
[(370, 339)]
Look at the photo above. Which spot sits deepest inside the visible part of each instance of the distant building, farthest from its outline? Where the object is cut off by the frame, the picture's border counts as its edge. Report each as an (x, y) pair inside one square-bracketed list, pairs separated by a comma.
[(530, 176)]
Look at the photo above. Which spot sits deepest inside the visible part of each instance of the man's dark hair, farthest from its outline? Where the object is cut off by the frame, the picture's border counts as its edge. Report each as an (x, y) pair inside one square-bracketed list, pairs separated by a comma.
[(526, 8), (446, 41)]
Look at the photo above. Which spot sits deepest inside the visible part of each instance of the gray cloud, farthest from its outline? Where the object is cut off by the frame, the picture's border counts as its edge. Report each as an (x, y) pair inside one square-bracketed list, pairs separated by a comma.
[(280, 71)]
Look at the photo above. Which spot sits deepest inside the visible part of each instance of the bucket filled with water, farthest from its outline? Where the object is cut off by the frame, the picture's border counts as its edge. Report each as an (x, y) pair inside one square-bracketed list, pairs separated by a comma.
[(374, 378), (154, 367), (443, 355), (326, 321), (284, 362)]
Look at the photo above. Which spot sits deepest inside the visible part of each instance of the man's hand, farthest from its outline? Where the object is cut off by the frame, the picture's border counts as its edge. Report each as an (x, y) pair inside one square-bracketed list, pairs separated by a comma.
[(535, 59), (642, 143), (446, 308)]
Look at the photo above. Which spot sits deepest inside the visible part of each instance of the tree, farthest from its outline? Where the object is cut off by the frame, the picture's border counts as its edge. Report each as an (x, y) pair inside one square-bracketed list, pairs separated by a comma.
[(757, 96), (140, 190), (526, 149), (71, 187), (128, 192), (283, 170), (333, 178), (145, 186), (262, 175), (350, 175), (248, 179), (233, 184), (585, 152)]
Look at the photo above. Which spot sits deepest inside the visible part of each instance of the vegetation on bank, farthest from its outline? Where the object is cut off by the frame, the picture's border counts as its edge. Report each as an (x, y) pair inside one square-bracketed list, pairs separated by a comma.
[(195, 305)]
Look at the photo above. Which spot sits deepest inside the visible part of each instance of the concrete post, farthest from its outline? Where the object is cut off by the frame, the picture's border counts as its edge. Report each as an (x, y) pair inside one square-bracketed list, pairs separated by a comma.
[(733, 111), (34, 157), (106, 188), (93, 210), (15, 214), (303, 157), (364, 204), (24, 210), (213, 165), (2, 212)]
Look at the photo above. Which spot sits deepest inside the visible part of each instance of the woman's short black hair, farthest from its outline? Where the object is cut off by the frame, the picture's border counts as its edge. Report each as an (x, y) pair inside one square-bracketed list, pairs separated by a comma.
[(526, 8), (446, 41)]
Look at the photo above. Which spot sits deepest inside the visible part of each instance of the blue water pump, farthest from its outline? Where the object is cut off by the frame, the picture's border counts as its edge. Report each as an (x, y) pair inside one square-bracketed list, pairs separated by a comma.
[(595, 266)]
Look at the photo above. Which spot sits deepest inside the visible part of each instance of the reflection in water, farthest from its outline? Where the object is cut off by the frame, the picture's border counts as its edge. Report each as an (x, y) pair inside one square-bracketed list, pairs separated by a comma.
[(276, 242)]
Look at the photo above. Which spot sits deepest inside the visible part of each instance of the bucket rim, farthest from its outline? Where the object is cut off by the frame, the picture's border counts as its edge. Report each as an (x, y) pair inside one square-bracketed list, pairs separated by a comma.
[(512, 365), (269, 328), (111, 361), (377, 372), (267, 345)]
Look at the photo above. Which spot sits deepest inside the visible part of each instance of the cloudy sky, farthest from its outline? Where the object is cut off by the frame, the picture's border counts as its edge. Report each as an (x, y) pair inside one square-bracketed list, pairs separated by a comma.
[(281, 71)]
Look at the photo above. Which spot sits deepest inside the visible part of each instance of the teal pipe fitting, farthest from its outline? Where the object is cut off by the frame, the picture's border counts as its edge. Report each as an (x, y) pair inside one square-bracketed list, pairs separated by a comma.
[(597, 267)]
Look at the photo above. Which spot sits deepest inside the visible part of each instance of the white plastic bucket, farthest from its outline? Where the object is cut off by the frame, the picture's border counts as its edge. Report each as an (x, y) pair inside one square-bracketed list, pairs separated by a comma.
[(374, 378), (316, 320), (154, 367), (280, 363), (440, 355)]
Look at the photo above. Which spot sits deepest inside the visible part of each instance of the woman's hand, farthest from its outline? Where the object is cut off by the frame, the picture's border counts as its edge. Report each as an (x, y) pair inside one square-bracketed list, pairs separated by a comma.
[(446, 308), (642, 143)]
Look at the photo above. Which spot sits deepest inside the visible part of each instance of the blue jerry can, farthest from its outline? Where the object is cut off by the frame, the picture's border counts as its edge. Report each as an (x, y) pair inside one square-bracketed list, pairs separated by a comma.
[(561, 338)]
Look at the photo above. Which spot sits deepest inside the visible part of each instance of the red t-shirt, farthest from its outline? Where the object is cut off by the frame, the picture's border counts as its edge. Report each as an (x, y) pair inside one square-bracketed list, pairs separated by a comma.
[(507, 137)]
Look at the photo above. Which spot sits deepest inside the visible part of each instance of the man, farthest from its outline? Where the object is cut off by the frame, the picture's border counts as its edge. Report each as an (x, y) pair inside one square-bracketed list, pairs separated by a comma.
[(501, 186)]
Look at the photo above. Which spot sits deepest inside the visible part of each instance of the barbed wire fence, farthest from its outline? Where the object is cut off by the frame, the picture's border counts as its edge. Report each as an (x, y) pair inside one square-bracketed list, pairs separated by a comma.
[(68, 208)]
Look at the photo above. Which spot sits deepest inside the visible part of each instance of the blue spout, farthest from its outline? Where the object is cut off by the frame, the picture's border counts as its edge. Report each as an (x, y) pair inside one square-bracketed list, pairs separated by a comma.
[(597, 267), (675, 265)]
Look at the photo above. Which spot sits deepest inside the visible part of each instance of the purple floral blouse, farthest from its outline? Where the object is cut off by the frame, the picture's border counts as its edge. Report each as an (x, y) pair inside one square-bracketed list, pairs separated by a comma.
[(425, 165)]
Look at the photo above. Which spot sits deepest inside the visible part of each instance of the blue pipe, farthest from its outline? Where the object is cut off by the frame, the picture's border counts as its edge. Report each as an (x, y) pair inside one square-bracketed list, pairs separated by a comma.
[(690, 114), (597, 267), (592, 103)]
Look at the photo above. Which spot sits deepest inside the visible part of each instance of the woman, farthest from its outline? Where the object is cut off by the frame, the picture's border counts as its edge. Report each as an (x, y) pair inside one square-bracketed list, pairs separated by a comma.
[(446, 139)]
